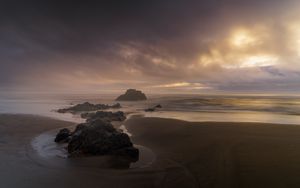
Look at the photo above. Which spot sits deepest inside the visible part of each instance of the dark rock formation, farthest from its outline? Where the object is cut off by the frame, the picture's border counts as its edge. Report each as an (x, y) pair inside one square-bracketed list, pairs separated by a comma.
[(99, 137), (153, 109), (150, 110), (86, 107), (63, 136), (79, 128), (132, 95), (117, 105), (108, 116)]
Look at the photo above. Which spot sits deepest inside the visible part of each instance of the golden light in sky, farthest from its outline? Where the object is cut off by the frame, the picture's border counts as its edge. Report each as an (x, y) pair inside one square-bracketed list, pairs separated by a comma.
[(242, 38), (294, 30), (256, 61), (244, 47)]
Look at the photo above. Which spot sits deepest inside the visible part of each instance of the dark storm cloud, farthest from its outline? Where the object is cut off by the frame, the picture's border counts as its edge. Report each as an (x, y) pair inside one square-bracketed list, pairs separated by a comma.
[(82, 25), (154, 40)]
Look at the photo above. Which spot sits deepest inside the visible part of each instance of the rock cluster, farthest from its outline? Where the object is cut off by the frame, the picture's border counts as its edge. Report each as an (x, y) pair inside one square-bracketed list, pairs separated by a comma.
[(97, 136), (108, 116), (86, 107), (132, 95)]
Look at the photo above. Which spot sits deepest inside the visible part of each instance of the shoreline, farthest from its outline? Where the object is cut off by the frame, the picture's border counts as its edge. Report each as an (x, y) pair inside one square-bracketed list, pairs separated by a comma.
[(188, 154)]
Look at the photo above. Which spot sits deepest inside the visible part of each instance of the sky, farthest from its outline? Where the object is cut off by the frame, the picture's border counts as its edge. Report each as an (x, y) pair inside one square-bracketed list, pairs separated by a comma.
[(169, 46)]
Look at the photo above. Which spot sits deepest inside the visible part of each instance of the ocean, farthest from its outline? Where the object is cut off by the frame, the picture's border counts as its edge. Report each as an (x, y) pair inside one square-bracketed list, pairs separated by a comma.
[(221, 108)]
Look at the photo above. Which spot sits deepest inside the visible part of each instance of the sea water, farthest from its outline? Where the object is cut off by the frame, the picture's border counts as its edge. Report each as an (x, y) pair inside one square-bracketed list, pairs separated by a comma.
[(221, 108)]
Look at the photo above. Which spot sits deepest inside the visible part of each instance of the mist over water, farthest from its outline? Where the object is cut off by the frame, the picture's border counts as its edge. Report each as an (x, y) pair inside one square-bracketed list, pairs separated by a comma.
[(229, 108)]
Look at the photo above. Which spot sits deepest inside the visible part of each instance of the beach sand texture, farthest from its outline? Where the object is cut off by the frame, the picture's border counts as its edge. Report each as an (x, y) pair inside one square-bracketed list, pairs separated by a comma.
[(188, 154)]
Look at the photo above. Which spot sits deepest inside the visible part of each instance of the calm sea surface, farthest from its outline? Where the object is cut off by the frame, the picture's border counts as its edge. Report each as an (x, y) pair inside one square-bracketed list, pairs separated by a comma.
[(268, 109)]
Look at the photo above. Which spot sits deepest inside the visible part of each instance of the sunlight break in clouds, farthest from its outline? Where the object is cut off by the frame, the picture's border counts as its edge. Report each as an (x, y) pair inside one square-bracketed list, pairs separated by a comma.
[(243, 47), (183, 85), (294, 41), (259, 61), (242, 38)]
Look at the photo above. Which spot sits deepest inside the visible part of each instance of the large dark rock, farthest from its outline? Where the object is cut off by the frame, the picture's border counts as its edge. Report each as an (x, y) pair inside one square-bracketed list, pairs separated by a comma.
[(99, 137), (132, 95), (86, 107), (63, 135), (108, 116)]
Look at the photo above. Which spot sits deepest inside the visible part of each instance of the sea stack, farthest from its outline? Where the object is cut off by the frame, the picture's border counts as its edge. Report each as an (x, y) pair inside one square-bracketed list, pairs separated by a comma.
[(132, 95)]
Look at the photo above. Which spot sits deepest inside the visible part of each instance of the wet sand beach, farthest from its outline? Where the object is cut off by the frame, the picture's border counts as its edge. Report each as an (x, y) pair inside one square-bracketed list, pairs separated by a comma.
[(223, 154), (188, 154)]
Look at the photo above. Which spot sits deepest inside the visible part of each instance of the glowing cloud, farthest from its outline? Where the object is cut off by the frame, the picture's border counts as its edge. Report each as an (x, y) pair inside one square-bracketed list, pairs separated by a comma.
[(179, 84), (242, 38), (186, 85), (244, 47), (294, 41), (259, 61)]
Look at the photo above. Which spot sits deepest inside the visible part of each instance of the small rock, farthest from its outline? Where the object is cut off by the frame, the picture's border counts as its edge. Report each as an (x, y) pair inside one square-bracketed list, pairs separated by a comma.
[(150, 110), (153, 109), (63, 136)]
